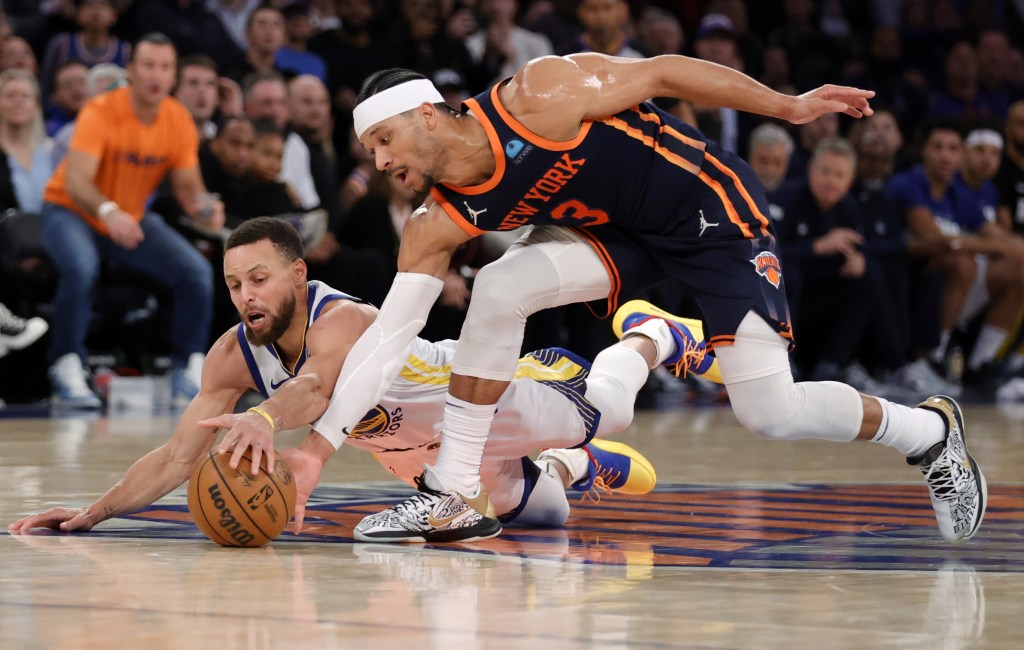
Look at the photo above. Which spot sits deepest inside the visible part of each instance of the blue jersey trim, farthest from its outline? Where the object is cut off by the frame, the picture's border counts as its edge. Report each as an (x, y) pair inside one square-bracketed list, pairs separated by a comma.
[(254, 369)]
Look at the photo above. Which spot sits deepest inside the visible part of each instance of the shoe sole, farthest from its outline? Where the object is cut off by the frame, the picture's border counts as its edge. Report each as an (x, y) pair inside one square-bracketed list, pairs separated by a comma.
[(441, 537), (979, 477), (644, 307)]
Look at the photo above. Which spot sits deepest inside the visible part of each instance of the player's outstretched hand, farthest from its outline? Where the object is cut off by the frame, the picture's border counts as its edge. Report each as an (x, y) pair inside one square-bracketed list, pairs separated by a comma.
[(306, 469), (830, 99), (244, 430), (63, 519)]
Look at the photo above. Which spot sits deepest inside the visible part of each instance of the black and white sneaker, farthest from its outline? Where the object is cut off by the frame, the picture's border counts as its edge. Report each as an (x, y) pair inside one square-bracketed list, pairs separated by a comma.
[(16, 332), (433, 515), (958, 490)]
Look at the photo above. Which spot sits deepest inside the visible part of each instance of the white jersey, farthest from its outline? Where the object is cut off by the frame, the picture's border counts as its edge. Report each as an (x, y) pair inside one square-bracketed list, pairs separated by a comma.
[(543, 407)]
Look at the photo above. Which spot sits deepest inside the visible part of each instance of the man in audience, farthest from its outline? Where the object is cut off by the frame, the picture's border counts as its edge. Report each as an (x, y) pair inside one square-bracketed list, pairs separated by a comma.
[(197, 89), (770, 149), (67, 98), (95, 209), (264, 32), (265, 97)]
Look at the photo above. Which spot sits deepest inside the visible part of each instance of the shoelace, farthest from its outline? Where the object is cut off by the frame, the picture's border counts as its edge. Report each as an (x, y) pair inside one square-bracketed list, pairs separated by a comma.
[(941, 481), (605, 476), (692, 356)]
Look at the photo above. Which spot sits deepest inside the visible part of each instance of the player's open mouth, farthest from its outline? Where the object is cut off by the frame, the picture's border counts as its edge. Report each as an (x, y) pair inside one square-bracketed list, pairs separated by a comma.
[(255, 319)]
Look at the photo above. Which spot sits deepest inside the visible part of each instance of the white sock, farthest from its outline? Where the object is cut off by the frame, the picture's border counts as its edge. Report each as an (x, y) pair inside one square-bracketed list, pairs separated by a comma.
[(910, 431), (938, 354), (657, 331), (463, 437), (990, 338)]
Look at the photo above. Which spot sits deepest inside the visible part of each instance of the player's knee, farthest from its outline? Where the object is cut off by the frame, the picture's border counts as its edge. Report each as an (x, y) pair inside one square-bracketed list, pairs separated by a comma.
[(769, 415), (506, 293)]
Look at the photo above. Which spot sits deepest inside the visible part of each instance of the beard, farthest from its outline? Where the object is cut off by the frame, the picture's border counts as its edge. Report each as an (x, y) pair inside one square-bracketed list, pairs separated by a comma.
[(279, 323)]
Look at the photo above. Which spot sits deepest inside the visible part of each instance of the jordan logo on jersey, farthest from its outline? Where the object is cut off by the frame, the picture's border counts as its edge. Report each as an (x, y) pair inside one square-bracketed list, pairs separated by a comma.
[(704, 225), (473, 214), (768, 267)]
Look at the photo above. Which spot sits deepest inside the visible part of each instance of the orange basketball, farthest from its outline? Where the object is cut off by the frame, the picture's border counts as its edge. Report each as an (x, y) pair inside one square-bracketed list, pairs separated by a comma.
[(235, 508)]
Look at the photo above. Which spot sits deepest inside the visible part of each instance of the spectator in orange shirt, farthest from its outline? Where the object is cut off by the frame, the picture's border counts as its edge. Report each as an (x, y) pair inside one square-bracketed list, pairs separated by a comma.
[(125, 142)]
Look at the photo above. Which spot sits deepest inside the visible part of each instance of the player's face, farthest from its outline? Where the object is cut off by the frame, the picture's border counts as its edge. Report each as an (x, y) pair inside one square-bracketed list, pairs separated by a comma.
[(401, 148), (830, 176), (262, 289)]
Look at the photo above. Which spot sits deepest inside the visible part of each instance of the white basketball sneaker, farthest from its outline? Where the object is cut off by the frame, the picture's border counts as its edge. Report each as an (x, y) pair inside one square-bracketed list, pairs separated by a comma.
[(958, 490), (433, 515)]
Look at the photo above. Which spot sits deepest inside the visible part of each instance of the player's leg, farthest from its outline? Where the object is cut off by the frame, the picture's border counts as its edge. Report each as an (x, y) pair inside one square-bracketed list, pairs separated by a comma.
[(930, 436)]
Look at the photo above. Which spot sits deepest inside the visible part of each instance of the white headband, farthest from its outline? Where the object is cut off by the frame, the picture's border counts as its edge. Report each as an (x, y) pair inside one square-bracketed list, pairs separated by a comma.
[(388, 103), (979, 137)]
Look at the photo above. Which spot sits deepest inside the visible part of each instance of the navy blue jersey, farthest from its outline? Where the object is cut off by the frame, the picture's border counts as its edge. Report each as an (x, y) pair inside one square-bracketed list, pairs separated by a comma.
[(640, 169)]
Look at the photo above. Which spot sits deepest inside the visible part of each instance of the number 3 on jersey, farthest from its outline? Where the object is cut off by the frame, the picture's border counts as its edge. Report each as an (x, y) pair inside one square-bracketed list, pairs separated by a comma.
[(583, 215)]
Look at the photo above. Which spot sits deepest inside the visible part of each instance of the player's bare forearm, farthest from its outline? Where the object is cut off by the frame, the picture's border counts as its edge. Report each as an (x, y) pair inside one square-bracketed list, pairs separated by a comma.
[(553, 90), (429, 240), (169, 465)]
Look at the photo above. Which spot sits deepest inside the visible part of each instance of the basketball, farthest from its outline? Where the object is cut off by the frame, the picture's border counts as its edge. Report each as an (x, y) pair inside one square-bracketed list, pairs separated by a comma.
[(235, 508)]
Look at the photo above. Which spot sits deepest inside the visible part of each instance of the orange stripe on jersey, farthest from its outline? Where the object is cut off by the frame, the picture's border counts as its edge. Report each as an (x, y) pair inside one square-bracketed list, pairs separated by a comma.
[(609, 265), (532, 137), (742, 190), (730, 209), (637, 134), (496, 149), (724, 340), (455, 215), (647, 117), (665, 128)]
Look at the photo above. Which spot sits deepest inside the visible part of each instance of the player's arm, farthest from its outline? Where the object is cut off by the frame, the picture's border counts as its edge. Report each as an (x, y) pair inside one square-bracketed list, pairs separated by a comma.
[(303, 398), (552, 95), (429, 239), (169, 465)]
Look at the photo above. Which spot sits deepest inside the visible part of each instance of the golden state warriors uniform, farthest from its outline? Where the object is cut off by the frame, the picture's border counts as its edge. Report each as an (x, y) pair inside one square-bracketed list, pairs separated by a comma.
[(543, 408), (653, 197)]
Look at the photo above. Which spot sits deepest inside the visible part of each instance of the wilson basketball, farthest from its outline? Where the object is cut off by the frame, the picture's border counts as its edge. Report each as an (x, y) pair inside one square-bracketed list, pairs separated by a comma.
[(233, 507)]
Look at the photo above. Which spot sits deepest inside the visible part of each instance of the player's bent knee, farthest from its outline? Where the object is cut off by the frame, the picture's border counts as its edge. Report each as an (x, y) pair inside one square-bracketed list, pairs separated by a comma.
[(776, 408)]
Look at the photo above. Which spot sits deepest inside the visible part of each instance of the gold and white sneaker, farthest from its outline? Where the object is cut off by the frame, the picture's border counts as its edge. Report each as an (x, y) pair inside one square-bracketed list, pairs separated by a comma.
[(433, 515), (957, 486)]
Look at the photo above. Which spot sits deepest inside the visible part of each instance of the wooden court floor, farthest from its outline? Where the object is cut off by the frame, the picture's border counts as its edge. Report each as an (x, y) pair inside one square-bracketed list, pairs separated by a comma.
[(745, 544)]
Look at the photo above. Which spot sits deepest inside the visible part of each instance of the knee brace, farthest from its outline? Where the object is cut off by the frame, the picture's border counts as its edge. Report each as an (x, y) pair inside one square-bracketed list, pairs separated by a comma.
[(776, 408), (535, 274)]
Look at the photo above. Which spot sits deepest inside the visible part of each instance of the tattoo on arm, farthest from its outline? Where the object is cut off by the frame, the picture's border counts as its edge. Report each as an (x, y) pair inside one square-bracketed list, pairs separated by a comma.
[(108, 512)]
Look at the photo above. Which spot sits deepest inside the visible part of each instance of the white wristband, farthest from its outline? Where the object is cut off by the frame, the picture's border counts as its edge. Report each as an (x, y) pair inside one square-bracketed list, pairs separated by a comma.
[(106, 208)]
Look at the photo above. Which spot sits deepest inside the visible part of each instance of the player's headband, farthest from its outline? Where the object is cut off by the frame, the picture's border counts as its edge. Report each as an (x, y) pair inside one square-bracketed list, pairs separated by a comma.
[(979, 137), (388, 103)]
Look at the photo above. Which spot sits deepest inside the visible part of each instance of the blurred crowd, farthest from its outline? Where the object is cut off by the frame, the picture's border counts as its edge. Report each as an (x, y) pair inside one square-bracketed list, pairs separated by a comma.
[(901, 233)]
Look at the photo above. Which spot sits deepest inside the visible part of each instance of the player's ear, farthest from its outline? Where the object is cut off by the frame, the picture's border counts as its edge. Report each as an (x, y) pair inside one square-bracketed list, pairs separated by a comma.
[(429, 113), (299, 270)]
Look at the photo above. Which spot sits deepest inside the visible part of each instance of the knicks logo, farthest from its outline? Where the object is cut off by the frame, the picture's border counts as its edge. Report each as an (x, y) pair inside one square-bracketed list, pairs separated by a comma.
[(768, 267), (378, 422)]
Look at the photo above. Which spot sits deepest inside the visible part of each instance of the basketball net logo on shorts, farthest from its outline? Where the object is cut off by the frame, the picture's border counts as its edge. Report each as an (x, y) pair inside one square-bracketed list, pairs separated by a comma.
[(768, 267)]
